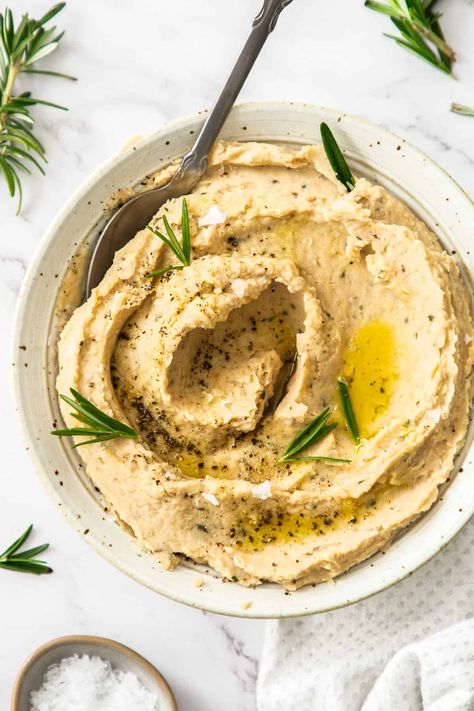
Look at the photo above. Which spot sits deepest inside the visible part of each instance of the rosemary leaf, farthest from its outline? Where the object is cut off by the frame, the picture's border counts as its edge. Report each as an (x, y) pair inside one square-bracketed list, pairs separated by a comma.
[(37, 567), (164, 239), (164, 270), (318, 459), (462, 109), (336, 159), (94, 440), (17, 544), (186, 236), (348, 411), (46, 73), (31, 553), (173, 240), (51, 13)]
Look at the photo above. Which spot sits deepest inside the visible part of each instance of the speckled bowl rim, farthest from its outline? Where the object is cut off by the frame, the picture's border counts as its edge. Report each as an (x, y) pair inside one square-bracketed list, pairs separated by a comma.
[(264, 601), (93, 640)]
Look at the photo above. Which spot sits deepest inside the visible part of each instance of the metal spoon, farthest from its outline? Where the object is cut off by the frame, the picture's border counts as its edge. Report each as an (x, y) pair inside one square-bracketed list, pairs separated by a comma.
[(138, 211)]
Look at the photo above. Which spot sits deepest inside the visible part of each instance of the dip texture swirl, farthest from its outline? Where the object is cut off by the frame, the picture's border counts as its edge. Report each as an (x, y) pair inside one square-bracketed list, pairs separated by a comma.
[(294, 283)]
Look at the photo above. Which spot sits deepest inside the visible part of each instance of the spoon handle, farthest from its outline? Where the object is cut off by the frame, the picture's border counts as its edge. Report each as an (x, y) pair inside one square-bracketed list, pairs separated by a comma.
[(194, 163)]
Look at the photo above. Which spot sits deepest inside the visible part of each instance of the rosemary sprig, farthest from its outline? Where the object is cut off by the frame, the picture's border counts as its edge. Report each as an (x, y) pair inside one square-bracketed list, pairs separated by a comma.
[(24, 561), (462, 109), (315, 431), (100, 426), (182, 251), (348, 411), (420, 30), (336, 159), (20, 48)]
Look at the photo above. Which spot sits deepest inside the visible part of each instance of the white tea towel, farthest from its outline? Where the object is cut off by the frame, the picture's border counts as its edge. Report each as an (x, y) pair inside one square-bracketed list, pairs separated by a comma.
[(410, 648)]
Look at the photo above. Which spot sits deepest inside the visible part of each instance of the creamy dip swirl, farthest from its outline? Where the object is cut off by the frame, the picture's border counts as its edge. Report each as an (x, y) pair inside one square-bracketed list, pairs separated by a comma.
[(293, 283)]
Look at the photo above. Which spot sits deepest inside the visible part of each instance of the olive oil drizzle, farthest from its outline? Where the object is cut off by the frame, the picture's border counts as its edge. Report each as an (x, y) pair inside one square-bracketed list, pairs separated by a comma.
[(370, 371)]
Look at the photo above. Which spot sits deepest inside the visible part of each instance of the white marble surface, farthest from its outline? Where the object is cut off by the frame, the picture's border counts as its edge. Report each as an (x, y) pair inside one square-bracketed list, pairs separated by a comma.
[(138, 66)]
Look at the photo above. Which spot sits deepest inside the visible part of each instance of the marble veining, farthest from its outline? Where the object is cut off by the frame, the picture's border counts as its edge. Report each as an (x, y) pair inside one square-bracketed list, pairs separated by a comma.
[(139, 65)]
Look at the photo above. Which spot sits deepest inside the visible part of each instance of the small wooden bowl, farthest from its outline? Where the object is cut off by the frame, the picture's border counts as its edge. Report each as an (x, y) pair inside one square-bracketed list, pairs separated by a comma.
[(30, 676)]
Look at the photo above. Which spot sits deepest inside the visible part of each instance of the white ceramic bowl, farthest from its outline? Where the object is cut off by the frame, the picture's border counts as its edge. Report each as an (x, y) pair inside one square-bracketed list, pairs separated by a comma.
[(373, 152)]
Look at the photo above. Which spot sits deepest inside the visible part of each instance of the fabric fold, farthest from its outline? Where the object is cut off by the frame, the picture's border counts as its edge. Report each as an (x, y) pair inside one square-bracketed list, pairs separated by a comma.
[(410, 648)]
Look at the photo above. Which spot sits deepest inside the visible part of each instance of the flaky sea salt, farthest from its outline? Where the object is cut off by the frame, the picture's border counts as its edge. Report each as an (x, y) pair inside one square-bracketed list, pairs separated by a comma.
[(211, 498), (91, 684), (239, 286), (262, 491), (214, 216), (434, 414)]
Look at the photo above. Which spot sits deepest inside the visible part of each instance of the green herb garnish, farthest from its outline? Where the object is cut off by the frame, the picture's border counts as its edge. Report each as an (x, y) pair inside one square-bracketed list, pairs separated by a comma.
[(24, 561), (100, 426), (336, 159), (20, 48), (348, 411), (318, 459), (420, 30), (182, 251), (462, 109), (315, 431), (164, 270)]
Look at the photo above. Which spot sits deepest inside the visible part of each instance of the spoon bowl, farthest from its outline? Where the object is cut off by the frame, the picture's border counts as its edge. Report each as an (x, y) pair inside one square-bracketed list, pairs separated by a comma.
[(125, 223)]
